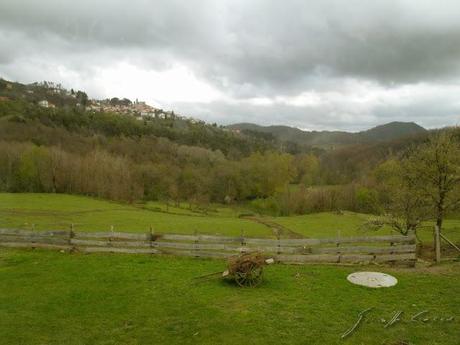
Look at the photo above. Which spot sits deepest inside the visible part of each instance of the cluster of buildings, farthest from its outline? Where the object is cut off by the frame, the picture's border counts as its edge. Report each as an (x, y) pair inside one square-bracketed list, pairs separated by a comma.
[(45, 104), (137, 108)]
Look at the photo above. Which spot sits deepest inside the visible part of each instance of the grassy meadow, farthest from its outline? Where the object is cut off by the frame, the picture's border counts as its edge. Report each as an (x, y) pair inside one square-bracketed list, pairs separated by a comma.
[(47, 297), (58, 211)]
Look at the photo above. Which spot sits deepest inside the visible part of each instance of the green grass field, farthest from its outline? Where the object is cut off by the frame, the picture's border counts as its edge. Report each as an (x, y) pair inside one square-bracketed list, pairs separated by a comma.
[(48, 297), (328, 224), (59, 211)]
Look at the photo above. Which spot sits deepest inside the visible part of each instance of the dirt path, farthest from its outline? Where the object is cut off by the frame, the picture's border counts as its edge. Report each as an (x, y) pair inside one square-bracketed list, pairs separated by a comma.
[(277, 229)]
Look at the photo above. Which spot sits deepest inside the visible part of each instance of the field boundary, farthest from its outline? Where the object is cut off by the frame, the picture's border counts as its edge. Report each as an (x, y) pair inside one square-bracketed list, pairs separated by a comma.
[(379, 249)]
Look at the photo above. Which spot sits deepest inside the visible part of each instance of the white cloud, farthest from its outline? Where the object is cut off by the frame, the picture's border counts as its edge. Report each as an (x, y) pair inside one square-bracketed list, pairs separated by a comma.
[(177, 84)]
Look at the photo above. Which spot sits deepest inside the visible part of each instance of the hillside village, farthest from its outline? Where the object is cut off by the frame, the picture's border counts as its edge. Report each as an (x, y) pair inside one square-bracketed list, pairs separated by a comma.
[(48, 94), (125, 106)]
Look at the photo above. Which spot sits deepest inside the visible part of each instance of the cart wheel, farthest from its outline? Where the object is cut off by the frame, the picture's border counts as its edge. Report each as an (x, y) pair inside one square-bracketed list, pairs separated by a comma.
[(251, 278)]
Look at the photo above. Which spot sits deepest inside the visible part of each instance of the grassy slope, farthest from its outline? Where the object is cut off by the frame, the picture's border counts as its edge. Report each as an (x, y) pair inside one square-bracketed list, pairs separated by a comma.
[(450, 228), (57, 211), (328, 224), (53, 298)]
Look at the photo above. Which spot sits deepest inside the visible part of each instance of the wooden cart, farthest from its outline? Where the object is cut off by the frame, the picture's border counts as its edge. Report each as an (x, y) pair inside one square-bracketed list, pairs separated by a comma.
[(246, 269)]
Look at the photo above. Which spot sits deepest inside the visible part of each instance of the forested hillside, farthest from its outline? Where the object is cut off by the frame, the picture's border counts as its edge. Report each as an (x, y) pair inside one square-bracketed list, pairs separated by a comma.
[(70, 149), (334, 139)]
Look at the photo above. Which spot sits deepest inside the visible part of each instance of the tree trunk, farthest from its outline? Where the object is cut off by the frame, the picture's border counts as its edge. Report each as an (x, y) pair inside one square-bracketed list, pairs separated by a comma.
[(439, 216), (437, 229), (439, 222), (437, 243)]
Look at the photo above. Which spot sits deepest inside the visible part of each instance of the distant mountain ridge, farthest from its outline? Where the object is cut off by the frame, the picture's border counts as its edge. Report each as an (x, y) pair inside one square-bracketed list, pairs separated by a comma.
[(387, 132)]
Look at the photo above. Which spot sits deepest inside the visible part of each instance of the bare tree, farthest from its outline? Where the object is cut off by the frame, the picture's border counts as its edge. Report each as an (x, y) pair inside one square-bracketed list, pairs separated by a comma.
[(434, 169), (403, 205)]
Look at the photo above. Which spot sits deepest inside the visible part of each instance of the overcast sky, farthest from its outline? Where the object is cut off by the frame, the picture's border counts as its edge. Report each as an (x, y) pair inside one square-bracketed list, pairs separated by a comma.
[(346, 65)]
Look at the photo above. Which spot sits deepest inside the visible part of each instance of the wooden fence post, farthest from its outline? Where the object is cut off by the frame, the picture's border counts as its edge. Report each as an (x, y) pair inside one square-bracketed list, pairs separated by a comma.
[(151, 237), (437, 243), (111, 236), (71, 235), (279, 244), (392, 244), (195, 246), (338, 245)]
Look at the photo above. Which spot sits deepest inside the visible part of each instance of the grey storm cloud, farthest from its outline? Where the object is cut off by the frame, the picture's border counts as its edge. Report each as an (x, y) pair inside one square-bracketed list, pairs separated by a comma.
[(247, 49)]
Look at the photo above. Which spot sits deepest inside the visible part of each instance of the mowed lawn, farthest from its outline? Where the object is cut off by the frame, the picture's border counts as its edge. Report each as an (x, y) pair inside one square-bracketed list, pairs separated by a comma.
[(48, 297)]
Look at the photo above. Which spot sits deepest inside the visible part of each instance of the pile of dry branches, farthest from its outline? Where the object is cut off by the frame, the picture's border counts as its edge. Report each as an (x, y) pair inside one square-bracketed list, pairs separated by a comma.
[(245, 262)]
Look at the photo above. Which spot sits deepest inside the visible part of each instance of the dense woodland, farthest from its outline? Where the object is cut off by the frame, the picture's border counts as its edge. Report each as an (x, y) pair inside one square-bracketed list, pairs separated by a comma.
[(68, 149)]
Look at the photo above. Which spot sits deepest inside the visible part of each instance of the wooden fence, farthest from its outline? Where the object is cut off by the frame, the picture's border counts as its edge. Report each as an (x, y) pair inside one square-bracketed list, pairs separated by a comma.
[(325, 250)]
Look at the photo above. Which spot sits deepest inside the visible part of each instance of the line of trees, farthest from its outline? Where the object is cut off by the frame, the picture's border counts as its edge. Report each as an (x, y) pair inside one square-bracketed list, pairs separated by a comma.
[(192, 174), (25, 167)]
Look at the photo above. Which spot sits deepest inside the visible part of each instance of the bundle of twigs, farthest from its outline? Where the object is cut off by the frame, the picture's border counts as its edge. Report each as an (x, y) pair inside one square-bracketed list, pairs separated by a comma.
[(246, 268), (245, 262)]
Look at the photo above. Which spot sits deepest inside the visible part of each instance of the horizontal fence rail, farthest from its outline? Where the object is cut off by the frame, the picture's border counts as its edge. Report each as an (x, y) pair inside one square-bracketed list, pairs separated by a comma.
[(365, 249)]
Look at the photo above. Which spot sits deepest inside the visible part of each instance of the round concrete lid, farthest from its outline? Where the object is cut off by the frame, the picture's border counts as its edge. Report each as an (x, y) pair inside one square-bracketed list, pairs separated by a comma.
[(372, 279)]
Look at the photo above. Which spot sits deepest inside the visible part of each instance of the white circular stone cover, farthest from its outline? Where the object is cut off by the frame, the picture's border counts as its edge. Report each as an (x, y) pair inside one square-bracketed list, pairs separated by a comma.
[(372, 279)]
